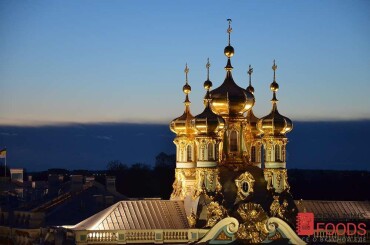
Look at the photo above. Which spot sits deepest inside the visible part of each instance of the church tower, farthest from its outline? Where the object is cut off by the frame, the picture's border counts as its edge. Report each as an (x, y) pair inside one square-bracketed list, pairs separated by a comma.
[(209, 127), (231, 102), (219, 168), (274, 128), (185, 148)]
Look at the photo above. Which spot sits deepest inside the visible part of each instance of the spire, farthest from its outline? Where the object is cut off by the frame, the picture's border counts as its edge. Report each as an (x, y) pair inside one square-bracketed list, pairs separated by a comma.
[(274, 68), (274, 86), (186, 89), (186, 72), (207, 84), (250, 87), (229, 50), (208, 65), (229, 30)]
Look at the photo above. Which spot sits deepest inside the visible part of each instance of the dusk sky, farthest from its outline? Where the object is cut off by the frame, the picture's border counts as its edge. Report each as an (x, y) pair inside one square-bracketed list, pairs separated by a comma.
[(123, 61)]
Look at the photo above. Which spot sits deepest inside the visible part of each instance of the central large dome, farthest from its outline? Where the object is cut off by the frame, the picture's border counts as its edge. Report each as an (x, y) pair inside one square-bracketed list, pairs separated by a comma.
[(229, 99)]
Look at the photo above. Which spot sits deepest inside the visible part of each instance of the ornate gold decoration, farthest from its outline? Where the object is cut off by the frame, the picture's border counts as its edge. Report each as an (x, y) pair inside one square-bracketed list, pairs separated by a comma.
[(277, 179), (253, 227), (215, 213), (275, 205), (279, 210), (192, 219), (207, 181), (241, 182), (180, 187)]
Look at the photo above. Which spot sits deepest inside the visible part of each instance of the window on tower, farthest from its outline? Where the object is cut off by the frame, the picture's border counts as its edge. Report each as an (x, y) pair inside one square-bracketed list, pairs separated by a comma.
[(277, 153), (210, 152), (253, 154), (189, 153), (233, 141)]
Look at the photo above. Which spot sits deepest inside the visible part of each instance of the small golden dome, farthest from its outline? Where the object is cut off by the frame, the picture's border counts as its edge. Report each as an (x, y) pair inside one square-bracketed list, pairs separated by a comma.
[(250, 88), (186, 89), (274, 86), (207, 85), (182, 125), (229, 51), (274, 124), (207, 122)]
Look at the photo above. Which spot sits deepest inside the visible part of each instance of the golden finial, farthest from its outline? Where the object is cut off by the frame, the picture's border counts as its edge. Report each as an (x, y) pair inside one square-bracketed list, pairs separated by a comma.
[(229, 50), (186, 89), (274, 67), (208, 65), (229, 30), (208, 84), (250, 71), (274, 86), (186, 72)]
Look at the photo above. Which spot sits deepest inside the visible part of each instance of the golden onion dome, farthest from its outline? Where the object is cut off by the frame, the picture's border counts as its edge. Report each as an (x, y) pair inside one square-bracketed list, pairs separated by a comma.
[(253, 121), (182, 125), (207, 122), (229, 99), (274, 124)]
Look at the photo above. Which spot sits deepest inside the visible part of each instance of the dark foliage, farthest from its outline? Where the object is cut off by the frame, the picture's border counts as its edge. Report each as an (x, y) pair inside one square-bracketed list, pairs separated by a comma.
[(329, 184), (139, 180)]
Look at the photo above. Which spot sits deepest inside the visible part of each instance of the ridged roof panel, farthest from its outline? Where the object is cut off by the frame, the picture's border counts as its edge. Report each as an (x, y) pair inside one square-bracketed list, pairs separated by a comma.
[(138, 215)]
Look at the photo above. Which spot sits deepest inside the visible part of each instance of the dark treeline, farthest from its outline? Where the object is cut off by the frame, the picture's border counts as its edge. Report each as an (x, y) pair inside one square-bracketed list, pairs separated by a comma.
[(140, 180)]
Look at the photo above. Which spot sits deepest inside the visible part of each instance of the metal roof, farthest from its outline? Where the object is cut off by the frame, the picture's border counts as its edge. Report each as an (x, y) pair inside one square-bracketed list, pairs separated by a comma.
[(138, 215), (335, 210)]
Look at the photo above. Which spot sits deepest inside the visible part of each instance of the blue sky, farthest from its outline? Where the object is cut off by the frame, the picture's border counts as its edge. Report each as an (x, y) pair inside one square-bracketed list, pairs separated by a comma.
[(123, 61)]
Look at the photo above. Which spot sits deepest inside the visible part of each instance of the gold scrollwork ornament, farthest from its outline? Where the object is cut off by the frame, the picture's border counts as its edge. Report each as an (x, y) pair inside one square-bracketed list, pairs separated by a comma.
[(245, 184), (252, 227), (215, 213)]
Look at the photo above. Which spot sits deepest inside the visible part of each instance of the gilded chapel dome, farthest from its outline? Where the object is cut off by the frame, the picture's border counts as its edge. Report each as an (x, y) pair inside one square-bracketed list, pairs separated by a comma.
[(229, 99), (207, 122), (274, 124), (182, 124)]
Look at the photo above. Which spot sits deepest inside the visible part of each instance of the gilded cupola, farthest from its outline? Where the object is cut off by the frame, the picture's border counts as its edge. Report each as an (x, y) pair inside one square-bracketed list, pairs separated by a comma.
[(207, 122), (274, 124), (182, 125), (229, 99), (251, 118)]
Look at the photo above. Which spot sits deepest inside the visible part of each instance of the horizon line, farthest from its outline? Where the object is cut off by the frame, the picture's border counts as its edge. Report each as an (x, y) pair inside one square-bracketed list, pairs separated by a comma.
[(151, 122)]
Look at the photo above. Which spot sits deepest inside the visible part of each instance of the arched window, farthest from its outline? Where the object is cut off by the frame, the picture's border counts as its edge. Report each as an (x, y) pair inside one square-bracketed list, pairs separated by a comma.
[(233, 141), (189, 153), (253, 154), (210, 152), (277, 153)]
